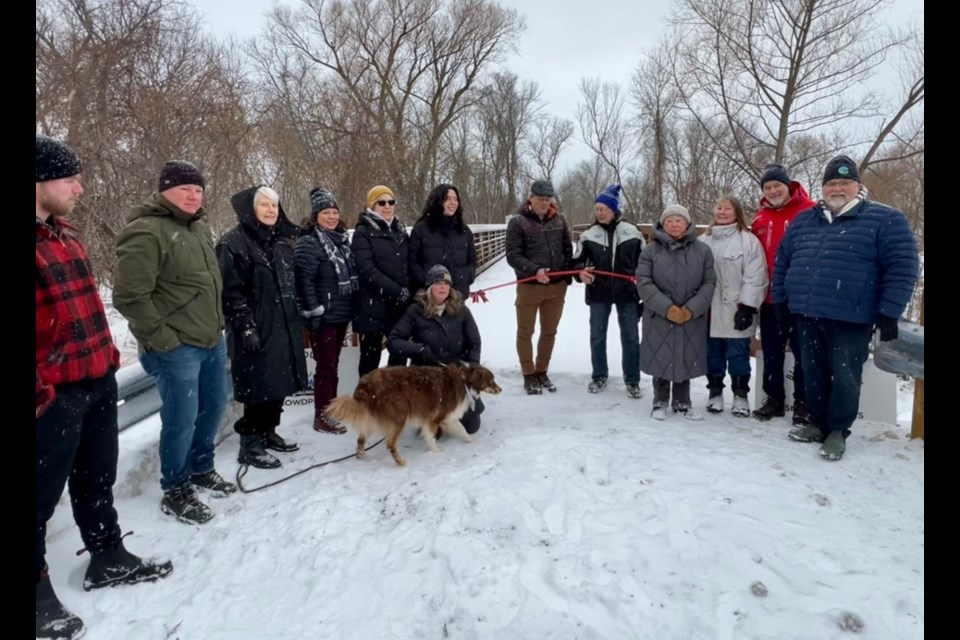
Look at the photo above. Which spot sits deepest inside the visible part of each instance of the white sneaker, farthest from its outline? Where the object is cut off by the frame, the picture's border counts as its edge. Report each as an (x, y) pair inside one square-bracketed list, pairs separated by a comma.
[(597, 385), (715, 404), (659, 413), (690, 414), (633, 391), (741, 407)]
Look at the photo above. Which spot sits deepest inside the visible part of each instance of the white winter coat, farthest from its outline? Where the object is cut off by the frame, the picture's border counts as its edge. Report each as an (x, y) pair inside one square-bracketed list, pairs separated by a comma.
[(742, 278)]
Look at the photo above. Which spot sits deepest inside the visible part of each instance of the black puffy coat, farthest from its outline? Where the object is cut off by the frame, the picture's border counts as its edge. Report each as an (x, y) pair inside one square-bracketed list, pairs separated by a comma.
[(317, 278), (380, 251), (259, 294), (451, 338), (449, 243)]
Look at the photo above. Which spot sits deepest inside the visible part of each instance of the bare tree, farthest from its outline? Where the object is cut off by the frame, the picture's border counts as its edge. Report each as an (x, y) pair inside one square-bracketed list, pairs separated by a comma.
[(579, 187), (604, 127), (911, 79), (657, 104), (550, 137), (130, 84), (503, 120), (405, 70), (760, 71)]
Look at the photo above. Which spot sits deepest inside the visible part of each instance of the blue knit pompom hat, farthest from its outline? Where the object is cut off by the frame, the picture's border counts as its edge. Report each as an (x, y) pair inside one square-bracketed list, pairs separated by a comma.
[(611, 198)]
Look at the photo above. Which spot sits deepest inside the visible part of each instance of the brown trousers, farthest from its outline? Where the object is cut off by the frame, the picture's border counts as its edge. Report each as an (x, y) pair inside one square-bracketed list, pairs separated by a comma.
[(547, 299)]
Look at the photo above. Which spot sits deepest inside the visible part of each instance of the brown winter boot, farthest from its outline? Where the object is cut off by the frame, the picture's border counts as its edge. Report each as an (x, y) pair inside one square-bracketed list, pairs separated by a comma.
[(321, 425)]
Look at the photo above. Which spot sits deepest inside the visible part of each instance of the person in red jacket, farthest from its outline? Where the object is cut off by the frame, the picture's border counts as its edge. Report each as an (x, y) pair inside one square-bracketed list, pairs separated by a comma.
[(77, 437), (782, 200)]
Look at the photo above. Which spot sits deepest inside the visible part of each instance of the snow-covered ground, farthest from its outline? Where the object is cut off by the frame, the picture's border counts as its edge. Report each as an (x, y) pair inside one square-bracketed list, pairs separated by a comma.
[(571, 516)]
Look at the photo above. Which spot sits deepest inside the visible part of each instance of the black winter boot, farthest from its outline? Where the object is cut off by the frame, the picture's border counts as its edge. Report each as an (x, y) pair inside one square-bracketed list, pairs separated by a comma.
[(53, 619), (545, 382), (272, 440), (119, 566), (182, 503), (214, 483), (253, 453), (531, 384), (801, 416), (771, 408)]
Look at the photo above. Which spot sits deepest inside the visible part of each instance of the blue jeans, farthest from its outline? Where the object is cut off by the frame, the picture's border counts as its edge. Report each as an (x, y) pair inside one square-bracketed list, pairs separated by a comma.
[(629, 339), (834, 353), (192, 382), (731, 354)]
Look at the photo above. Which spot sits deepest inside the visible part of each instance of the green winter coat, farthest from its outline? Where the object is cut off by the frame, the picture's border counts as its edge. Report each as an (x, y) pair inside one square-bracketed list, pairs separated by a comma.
[(167, 282)]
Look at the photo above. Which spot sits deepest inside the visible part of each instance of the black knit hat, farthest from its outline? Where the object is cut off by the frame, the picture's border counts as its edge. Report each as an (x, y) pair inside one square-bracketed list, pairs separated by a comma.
[(774, 172), (841, 168), (321, 199), (55, 160), (179, 172)]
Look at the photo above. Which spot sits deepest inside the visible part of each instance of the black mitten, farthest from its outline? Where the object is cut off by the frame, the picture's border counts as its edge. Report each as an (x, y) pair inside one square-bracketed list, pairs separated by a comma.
[(743, 318), (889, 328)]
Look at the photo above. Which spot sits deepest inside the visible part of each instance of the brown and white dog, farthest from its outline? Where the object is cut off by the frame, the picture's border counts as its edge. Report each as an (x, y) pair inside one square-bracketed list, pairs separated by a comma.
[(387, 400)]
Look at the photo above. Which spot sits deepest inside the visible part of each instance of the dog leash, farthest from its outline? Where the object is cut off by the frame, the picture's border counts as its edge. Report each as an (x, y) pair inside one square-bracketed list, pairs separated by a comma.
[(242, 471), (480, 295)]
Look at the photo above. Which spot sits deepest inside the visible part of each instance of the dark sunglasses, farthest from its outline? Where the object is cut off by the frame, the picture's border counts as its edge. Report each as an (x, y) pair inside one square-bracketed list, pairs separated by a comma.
[(384, 203)]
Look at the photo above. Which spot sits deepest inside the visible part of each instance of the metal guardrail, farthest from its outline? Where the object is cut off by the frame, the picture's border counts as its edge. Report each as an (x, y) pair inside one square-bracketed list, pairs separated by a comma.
[(137, 392), (490, 241), (137, 395)]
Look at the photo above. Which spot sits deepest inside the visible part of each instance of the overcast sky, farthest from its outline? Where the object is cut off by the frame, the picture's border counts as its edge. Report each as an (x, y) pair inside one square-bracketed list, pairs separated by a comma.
[(565, 40)]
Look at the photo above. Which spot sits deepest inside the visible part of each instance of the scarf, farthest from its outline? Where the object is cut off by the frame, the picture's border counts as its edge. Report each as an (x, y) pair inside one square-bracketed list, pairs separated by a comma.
[(339, 255), (860, 197)]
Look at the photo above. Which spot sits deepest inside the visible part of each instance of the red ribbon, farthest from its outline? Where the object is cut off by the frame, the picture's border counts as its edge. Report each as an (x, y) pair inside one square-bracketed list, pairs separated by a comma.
[(481, 294)]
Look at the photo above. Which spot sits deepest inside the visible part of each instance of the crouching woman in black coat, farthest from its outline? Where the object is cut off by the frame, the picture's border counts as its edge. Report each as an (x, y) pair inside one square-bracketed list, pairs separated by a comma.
[(264, 330), (438, 329)]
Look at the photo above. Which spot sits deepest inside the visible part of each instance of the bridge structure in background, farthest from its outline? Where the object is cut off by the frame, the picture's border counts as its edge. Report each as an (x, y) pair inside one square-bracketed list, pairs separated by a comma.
[(137, 392)]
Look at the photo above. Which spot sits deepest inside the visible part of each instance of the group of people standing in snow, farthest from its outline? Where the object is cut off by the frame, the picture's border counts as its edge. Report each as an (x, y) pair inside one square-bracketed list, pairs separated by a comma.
[(817, 276), (820, 277), (193, 302)]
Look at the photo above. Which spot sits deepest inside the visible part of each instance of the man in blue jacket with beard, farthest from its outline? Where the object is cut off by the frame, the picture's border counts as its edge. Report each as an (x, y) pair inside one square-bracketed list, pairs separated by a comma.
[(845, 268)]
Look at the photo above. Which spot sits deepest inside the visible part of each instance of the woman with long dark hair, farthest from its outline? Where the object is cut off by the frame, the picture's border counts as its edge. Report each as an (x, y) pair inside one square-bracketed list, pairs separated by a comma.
[(441, 237)]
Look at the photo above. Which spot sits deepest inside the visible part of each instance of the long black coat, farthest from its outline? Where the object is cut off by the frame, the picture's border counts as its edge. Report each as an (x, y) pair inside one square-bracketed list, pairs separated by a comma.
[(259, 293), (317, 280), (449, 244), (451, 338), (380, 252)]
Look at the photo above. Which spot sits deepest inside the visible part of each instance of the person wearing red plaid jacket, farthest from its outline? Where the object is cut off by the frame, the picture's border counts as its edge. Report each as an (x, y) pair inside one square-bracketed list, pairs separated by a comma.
[(77, 436)]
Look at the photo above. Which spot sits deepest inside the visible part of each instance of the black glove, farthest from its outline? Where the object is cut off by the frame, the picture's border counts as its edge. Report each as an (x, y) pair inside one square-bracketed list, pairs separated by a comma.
[(404, 294), (427, 355), (743, 318), (781, 312), (251, 341), (889, 328)]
